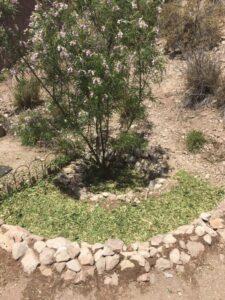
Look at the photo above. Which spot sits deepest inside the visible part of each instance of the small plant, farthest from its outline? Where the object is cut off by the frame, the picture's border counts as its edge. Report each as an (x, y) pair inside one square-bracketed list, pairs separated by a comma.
[(27, 93), (195, 140), (203, 78), (34, 128), (192, 25)]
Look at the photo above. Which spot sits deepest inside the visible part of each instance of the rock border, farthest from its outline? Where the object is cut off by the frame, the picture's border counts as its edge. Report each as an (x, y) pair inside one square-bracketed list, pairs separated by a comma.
[(79, 263)]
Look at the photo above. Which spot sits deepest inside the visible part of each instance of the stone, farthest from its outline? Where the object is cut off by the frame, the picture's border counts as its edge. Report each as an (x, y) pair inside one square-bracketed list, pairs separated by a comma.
[(73, 250), (30, 262), (126, 264), (144, 246), (175, 256), (19, 250), (185, 229), (98, 254), (47, 272), (207, 238), (162, 264), (182, 244), (101, 265), (47, 256), (17, 233), (145, 254), (1, 222), (68, 275), (73, 265), (199, 231), (59, 267), (195, 248), (216, 223), (205, 216), (210, 231), (184, 257), (57, 243), (147, 266), (112, 280), (6, 243), (115, 245), (152, 279), (169, 239), (135, 246), (107, 251), (97, 247), (168, 275), (153, 251), (80, 277), (156, 240), (39, 246), (62, 255), (112, 262), (144, 278), (89, 271), (139, 259), (86, 258), (2, 131)]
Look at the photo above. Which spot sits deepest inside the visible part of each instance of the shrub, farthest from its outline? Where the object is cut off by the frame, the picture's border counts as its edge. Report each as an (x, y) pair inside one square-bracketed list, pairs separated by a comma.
[(27, 93), (195, 140), (95, 59), (190, 25), (203, 78), (34, 128)]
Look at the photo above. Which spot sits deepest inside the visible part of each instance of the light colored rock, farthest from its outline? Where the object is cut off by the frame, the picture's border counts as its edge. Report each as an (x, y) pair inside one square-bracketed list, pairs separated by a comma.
[(62, 255), (1, 222), (182, 244), (153, 251), (169, 239), (135, 246), (222, 234), (152, 279), (216, 223), (210, 231), (73, 265), (126, 264), (39, 246), (73, 250), (112, 280), (101, 265), (184, 257), (86, 258), (47, 257), (195, 248), (57, 243), (68, 275), (97, 247), (199, 231), (175, 256), (115, 245), (139, 259), (47, 272), (107, 251), (30, 261), (168, 275), (18, 234), (112, 262), (89, 271), (143, 253), (59, 267), (163, 264), (144, 246), (207, 238), (185, 229), (205, 216), (157, 240), (147, 266), (98, 254), (6, 243), (19, 250), (144, 278)]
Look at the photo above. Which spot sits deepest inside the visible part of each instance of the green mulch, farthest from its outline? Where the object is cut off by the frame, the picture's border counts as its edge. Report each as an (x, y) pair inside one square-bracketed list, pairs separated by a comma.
[(44, 210)]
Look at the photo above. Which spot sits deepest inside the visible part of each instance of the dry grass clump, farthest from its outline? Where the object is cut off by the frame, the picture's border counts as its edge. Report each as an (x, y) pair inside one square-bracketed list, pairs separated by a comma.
[(192, 24)]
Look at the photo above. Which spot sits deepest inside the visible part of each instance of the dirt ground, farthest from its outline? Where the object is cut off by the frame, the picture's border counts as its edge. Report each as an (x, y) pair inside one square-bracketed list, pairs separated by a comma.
[(207, 282)]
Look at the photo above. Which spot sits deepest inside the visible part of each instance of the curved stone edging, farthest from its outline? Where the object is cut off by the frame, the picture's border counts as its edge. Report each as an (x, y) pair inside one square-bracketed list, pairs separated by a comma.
[(80, 262)]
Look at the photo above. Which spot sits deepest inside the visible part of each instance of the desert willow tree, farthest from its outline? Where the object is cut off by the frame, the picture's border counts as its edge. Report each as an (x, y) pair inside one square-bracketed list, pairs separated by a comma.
[(95, 59)]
